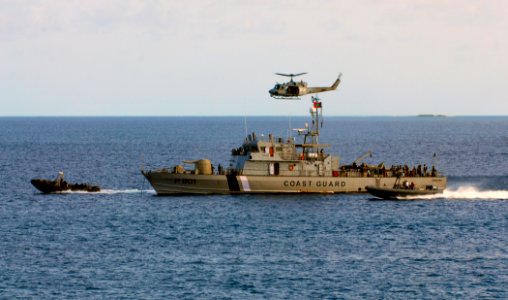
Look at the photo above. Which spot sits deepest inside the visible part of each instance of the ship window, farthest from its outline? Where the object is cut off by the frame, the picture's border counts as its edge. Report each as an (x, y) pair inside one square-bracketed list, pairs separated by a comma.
[(276, 167)]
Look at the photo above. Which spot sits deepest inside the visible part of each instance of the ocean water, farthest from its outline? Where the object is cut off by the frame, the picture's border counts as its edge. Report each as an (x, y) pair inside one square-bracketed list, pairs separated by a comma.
[(126, 242)]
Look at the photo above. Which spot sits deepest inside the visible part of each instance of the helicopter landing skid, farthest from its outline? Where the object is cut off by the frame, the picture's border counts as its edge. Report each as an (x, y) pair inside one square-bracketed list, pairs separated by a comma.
[(286, 98)]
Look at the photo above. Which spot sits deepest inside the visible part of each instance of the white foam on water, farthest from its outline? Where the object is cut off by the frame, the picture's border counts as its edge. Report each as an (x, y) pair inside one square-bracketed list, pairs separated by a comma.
[(467, 193), (460, 193), (127, 191)]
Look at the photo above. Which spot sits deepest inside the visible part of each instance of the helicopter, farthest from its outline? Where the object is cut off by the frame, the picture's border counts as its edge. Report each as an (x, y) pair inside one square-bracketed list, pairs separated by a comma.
[(293, 89)]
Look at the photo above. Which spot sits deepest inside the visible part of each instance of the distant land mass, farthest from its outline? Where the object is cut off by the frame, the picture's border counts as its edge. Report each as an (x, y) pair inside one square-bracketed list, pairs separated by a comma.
[(431, 116)]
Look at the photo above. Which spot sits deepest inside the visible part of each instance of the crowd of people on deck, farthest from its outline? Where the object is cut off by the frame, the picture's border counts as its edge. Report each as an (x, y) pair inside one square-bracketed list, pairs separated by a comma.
[(397, 170), (418, 171)]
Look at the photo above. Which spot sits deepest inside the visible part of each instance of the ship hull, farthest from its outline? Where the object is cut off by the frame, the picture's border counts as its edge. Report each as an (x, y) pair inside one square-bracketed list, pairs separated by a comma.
[(166, 183), (400, 193), (47, 186)]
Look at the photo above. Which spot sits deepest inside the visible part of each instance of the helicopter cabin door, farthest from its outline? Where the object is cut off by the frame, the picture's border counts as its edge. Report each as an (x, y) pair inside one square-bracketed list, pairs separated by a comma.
[(293, 90)]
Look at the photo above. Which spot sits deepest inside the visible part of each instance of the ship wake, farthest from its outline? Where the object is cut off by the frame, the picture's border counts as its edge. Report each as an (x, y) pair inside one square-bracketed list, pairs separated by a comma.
[(467, 193)]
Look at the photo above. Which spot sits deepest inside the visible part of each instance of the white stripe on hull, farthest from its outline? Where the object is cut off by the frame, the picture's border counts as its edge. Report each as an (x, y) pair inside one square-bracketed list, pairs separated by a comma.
[(245, 183)]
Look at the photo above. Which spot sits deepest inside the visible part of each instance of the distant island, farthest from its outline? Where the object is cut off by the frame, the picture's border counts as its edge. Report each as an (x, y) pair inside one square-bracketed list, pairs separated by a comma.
[(431, 116)]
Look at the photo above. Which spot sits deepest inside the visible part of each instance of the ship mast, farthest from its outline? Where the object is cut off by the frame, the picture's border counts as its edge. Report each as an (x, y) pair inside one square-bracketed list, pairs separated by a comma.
[(316, 112)]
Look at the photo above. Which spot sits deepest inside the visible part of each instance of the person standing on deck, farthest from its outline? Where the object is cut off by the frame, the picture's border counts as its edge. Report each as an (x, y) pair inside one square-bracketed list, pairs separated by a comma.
[(60, 178)]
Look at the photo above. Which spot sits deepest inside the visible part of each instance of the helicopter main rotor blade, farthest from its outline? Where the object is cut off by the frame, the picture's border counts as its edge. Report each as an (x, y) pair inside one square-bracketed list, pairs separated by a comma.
[(291, 75), (299, 74)]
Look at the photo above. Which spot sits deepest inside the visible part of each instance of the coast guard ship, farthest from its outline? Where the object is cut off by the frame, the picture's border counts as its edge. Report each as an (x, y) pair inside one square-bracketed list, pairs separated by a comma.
[(286, 165)]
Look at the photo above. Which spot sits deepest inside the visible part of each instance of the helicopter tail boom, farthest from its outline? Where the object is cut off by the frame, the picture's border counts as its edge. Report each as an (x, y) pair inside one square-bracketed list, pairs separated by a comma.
[(312, 90)]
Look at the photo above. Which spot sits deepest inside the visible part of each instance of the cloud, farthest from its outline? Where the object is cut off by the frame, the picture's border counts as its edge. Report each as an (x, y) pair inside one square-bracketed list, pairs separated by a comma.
[(106, 53)]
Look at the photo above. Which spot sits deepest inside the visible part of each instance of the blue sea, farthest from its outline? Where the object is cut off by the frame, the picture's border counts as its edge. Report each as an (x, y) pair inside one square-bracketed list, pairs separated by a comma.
[(126, 242)]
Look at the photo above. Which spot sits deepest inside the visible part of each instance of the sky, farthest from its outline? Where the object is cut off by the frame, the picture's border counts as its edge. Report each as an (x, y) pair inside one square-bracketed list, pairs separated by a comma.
[(217, 58)]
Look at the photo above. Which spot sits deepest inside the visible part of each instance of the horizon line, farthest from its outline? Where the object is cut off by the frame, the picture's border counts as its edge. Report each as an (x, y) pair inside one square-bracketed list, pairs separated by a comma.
[(242, 116)]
